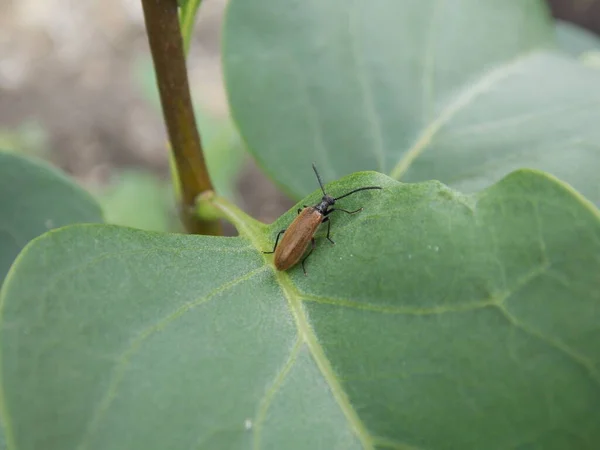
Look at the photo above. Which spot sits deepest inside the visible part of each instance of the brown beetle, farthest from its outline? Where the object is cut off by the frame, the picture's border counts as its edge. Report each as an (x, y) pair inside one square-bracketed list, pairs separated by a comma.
[(302, 230)]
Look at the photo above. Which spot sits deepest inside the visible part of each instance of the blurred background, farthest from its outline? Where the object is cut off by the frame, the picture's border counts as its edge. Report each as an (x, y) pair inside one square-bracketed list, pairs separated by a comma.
[(77, 89)]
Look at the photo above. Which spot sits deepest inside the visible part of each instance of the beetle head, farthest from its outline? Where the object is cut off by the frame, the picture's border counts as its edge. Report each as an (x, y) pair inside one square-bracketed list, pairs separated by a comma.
[(328, 199)]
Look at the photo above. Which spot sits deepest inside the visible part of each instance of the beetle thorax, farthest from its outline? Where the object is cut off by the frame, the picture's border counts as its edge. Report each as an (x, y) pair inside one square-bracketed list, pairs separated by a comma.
[(326, 202)]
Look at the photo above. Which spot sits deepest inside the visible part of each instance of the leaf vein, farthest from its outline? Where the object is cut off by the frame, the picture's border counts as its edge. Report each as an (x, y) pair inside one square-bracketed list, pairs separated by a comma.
[(125, 358), (400, 310), (485, 83), (556, 344), (318, 354), (312, 115), (394, 445), (429, 62), (373, 119), (265, 402), (307, 334)]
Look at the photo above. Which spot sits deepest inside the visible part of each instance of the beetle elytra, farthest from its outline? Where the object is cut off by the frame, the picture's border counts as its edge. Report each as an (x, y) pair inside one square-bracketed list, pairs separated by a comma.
[(301, 231)]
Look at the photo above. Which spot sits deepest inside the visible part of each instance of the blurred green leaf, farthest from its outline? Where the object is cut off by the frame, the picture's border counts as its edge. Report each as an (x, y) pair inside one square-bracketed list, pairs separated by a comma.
[(29, 139), (438, 321), (140, 200), (187, 18), (463, 91), (35, 198), (224, 150)]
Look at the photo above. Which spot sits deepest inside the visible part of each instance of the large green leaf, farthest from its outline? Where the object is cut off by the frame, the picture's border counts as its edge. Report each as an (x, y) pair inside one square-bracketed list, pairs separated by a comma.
[(437, 321), (35, 198), (462, 91)]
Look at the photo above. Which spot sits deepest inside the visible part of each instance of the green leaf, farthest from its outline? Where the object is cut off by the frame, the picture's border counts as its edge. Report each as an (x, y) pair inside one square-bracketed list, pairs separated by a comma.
[(29, 138), (437, 321), (138, 199), (463, 92), (224, 151), (35, 198), (187, 18), (576, 40)]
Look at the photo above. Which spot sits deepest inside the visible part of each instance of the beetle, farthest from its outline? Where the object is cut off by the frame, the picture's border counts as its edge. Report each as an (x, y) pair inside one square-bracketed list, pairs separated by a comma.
[(302, 230)]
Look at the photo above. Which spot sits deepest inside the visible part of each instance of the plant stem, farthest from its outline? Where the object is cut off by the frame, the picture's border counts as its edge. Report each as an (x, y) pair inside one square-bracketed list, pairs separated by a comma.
[(166, 45)]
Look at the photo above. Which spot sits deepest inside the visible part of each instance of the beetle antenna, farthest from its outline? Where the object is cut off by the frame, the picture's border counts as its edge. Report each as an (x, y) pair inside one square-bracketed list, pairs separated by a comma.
[(319, 179), (356, 190)]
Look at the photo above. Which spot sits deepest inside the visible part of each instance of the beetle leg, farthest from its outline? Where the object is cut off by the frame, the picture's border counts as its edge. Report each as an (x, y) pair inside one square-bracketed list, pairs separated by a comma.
[(313, 245), (343, 210), (299, 210), (276, 241), (328, 229)]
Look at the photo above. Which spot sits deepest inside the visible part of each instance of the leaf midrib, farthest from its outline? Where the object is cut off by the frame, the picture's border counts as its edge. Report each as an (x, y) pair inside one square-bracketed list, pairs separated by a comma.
[(251, 231), (484, 84), (317, 352)]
